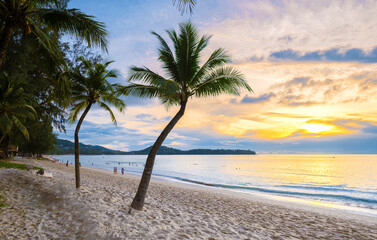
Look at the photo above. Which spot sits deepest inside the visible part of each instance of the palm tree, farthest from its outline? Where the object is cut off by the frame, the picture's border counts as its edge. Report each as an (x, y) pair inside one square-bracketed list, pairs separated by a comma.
[(90, 86), (184, 5), (14, 108), (37, 17), (184, 79)]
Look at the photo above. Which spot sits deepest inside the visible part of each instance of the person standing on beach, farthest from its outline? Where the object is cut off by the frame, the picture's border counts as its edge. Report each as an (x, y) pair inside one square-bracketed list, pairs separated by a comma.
[(115, 170), (66, 164), (122, 171)]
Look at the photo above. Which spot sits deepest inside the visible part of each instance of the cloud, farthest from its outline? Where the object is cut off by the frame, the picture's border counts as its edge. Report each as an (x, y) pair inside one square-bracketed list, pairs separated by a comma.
[(174, 143), (335, 54), (306, 28), (262, 98)]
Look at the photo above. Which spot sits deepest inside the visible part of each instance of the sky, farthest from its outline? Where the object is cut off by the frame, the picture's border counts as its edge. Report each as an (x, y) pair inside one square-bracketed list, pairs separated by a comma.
[(311, 64)]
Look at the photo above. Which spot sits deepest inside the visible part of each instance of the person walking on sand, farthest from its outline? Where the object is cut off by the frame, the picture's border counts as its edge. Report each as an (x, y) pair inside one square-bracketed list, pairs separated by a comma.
[(66, 164), (122, 171), (115, 170)]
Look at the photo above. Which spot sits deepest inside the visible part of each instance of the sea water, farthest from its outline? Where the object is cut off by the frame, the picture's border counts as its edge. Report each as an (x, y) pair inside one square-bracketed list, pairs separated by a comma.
[(343, 181)]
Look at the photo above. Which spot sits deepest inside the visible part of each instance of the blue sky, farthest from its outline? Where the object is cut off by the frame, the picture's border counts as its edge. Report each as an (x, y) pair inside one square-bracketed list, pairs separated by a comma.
[(312, 66)]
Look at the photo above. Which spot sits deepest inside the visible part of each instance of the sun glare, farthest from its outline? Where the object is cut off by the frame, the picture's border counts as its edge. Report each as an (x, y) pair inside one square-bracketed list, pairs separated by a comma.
[(316, 127)]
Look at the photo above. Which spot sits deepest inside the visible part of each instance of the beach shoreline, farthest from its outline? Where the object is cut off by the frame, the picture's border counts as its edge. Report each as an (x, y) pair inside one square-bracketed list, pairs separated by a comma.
[(288, 202), (173, 210)]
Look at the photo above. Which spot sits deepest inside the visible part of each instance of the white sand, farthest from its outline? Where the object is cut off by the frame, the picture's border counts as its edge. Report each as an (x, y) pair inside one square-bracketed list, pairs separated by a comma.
[(51, 208)]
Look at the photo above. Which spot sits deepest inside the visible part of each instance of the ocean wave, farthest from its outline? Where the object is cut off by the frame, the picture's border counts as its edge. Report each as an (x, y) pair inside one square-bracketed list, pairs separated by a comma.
[(342, 197)]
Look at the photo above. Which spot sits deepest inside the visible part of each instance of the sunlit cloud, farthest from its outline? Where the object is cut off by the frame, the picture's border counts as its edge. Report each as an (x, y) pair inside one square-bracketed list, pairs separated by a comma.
[(260, 28), (311, 64)]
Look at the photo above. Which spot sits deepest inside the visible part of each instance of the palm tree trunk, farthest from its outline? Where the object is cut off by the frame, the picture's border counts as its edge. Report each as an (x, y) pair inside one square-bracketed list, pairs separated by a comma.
[(77, 149), (4, 41), (138, 201)]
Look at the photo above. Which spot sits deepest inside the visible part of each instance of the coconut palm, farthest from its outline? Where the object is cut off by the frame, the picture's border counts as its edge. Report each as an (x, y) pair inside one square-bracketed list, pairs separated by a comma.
[(90, 86), (14, 108), (36, 18), (184, 79)]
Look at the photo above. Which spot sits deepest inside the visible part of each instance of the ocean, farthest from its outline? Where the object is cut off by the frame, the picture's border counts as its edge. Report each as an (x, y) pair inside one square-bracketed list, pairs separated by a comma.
[(347, 182)]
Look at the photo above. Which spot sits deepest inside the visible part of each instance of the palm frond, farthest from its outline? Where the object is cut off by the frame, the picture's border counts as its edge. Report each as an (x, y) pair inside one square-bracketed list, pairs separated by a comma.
[(218, 58), (147, 76), (142, 91), (108, 109), (186, 57), (20, 126), (45, 45), (185, 5), (77, 23), (76, 109), (222, 80), (167, 58)]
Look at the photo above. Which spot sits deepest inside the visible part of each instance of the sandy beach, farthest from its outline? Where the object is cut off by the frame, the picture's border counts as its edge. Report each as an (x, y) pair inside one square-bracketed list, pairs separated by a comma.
[(51, 208)]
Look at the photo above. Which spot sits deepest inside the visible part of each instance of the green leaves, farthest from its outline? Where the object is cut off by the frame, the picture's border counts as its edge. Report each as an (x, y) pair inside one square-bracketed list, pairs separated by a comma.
[(14, 107), (90, 85), (40, 18), (75, 22), (185, 77)]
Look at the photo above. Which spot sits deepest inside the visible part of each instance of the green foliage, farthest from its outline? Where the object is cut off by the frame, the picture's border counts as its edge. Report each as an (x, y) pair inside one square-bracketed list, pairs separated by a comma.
[(90, 86), (38, 83), (5, 164), (42, 138), (185, 78), (14, 107), (36, 18)]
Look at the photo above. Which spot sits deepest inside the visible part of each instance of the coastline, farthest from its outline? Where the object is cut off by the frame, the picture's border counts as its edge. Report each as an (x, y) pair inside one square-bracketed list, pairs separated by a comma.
[(52, 207), (288, 202)]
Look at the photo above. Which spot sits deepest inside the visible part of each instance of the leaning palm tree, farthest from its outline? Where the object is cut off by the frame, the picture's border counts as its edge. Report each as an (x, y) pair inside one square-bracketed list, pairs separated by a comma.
[(14, 108), (184, 79), (36, 18), (90, 86)]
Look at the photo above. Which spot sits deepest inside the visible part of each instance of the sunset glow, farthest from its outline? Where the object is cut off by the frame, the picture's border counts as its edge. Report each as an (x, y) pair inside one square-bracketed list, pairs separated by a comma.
[(313, 82), (317, 128)]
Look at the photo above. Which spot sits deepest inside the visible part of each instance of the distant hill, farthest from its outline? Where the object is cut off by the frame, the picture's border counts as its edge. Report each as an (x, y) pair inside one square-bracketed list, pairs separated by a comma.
[(172, 151), (67, 147), (64, 147)]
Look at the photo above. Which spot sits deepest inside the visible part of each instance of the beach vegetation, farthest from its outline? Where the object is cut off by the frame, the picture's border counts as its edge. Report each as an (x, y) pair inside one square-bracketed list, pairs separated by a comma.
[(90, 86), (6, 164), (35, 18), (14, 109), (184, 79)]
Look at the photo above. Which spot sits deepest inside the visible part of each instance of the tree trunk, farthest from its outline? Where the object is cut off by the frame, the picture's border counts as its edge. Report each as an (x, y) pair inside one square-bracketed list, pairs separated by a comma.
[(7, 144), (77, 149), (2, 149), (2, 138), (138, 201), (4, 41)]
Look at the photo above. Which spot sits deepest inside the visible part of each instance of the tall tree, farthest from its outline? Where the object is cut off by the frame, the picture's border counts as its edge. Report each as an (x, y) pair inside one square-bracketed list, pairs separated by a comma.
[(91, 86), (185, 78), (14, 108), (36, 17)]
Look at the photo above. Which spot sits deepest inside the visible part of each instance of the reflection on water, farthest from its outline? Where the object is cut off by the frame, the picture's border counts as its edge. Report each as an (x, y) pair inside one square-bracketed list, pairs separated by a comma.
[(341, 179)]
